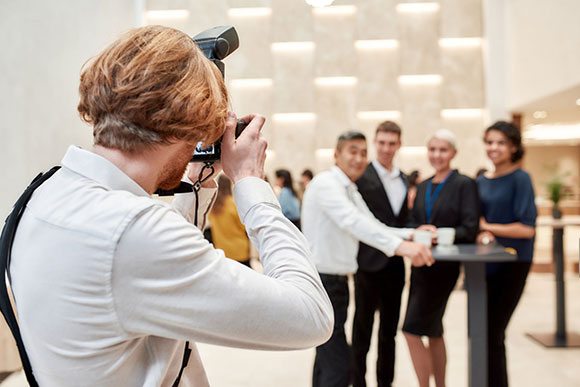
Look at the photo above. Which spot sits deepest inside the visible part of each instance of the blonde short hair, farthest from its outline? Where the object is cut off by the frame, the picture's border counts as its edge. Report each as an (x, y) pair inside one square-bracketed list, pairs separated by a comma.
[(150, 87)]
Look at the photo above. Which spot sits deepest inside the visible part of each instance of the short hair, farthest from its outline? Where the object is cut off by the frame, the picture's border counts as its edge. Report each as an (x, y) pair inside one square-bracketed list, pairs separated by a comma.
[(388, 127), (348, 136), (152, 86), (513, 135), (308, 173), (445, 135)]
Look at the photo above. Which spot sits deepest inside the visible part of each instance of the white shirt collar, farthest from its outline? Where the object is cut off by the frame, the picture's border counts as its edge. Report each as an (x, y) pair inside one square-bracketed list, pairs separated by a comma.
[(384, 172), (99, 169), (342, 177)]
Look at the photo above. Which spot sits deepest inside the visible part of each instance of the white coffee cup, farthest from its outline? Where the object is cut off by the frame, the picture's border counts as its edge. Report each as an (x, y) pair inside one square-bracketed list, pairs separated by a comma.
[(445, 236), (423, 236)]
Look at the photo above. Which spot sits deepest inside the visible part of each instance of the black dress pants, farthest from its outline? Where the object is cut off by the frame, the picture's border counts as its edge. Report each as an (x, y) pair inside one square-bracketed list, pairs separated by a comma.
[(377, 290), (332, 361), (504, 289)]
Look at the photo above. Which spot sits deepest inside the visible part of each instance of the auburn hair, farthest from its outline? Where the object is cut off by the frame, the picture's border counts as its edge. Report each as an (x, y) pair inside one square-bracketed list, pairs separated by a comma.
[(150, 87)]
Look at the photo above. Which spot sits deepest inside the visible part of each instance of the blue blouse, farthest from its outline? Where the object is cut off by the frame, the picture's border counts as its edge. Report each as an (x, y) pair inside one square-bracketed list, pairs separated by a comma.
[(289, 203), (510, 199)]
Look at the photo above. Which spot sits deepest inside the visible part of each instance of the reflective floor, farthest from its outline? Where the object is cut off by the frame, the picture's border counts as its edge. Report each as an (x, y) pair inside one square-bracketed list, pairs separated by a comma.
[(529, 363)]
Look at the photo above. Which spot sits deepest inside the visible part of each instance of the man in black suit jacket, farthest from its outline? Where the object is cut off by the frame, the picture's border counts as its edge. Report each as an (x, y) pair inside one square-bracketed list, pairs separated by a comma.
[(379, 281)]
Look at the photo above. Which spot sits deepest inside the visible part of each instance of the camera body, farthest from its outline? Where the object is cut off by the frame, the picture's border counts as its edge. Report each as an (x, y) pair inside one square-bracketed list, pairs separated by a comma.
[(216, 43)]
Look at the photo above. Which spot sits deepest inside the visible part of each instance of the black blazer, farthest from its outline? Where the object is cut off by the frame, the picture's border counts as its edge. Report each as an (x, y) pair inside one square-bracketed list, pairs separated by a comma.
[(373, 192), (456, 206)]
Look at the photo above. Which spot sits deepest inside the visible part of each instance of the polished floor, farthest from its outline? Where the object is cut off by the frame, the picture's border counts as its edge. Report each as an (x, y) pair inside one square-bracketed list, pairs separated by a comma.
[(529, 363)]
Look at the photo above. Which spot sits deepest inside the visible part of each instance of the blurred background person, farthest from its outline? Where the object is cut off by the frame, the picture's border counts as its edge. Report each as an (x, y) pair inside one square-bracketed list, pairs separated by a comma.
[(287, 196), (509, 217), (379, 282), (305, 177), (227, 231), (447, 199), (414, 179)]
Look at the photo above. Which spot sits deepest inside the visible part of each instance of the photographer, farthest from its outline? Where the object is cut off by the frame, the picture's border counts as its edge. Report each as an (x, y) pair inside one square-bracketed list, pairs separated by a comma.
[(110, 283)]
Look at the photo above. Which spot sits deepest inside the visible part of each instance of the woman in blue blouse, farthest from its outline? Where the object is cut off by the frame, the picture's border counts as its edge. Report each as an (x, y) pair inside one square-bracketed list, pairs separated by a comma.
[(509, 217), (287, 197)]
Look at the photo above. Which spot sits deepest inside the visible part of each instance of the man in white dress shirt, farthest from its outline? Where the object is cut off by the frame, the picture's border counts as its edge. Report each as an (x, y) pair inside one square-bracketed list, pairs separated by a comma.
[(335, 218), (110, 283)]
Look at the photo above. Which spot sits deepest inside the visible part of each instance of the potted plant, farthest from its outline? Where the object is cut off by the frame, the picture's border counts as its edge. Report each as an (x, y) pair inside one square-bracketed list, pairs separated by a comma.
[(555, 192)]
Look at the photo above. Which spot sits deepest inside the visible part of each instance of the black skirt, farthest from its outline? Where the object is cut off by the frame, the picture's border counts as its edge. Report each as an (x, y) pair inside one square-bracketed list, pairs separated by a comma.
[(430, 290)]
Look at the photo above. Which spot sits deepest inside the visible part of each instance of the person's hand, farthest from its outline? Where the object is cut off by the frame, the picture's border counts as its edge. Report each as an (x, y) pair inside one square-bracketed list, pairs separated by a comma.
[(419, 254), (193, 170), (485, 238), (244, 156), (431, 228), (483, 225)]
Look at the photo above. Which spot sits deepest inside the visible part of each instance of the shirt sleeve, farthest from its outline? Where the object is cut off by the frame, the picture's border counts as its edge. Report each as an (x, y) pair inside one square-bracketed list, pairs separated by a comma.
[(357, 219), (170, 282), (524, 200)]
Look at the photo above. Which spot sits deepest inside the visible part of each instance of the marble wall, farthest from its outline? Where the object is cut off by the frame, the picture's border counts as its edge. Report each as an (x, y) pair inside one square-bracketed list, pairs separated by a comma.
[(316, 72)]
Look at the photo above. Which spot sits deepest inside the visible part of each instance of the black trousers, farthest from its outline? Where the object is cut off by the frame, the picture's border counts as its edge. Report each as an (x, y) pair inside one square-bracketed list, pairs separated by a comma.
[(332, 361), (504, 289), (377, 290)]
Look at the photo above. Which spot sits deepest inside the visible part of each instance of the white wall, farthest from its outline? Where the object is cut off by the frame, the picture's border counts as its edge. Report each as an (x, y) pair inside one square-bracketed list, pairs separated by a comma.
[(44, 44)]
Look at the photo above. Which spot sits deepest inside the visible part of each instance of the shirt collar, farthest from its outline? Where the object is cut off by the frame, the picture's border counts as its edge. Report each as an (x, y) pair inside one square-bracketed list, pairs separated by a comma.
[(342, 177), (384, 172), (101, 170)]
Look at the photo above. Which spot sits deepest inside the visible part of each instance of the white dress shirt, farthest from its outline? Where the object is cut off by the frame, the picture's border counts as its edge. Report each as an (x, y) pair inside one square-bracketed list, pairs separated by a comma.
[(394, 186), (335, 218), (109, 282)]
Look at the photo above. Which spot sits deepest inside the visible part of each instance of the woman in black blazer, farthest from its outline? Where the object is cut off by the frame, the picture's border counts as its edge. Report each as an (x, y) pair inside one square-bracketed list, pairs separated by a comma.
[(447, 199)]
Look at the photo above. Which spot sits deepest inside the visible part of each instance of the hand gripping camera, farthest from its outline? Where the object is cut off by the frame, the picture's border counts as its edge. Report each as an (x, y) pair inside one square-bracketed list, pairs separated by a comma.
[(216, 43)]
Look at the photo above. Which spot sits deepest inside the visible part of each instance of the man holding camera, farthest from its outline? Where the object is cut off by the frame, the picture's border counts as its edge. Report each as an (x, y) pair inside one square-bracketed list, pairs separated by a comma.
[(335, 218), (110, 283)]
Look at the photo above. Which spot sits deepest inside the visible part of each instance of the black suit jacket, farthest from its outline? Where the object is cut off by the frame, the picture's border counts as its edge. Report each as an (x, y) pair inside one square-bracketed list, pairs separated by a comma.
[(373, 192), (457, 206)]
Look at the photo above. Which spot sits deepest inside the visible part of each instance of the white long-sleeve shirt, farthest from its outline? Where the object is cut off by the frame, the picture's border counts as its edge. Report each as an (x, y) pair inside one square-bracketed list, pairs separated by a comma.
[(109, 283), (335, 218)]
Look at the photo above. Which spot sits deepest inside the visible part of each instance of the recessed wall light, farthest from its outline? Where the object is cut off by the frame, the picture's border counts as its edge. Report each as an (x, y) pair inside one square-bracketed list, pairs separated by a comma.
[(413, 150), (250, 12), (159, 14), (553, 132), (249, 82), (578, 102), (319, 3), (425, 79), (335, 81), (379, 115), (417, 7), (335, 10), (292, 46), (540, 114), (324, 153)]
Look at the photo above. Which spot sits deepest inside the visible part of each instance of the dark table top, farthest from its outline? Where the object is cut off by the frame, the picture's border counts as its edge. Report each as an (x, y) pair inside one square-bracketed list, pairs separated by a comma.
[(493, 252)]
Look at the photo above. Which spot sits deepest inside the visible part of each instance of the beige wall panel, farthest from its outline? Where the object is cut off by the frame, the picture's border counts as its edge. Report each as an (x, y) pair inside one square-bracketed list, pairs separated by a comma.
[(336, 107), (419, 42), (378, 70), (247, 3), (293, 85), (293, 146), (291, 21), (470, 150), (247, 100), (334, 36), (252, 59), (462, 71), (204, 15), (376, 19), (420, 113), (461, 18)]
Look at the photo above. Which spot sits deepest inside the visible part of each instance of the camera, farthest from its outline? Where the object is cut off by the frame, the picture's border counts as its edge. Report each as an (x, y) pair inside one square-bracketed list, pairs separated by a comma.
[(216, 43)]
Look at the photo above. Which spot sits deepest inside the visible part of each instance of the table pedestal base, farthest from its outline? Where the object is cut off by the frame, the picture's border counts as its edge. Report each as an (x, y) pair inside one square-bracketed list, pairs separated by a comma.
[(551, 340)]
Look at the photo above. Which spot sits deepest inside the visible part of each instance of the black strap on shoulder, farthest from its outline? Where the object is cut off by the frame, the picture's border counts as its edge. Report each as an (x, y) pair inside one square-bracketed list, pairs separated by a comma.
[(6, 241)]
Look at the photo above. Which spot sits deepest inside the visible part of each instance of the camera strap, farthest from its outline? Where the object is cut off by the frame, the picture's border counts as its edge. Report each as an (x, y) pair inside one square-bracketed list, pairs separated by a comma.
[(6, 241), (7, 238)]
